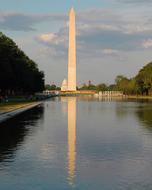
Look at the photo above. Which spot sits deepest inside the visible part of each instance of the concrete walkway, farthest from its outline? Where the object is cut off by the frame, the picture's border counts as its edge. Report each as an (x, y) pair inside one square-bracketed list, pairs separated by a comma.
[(11, 114)]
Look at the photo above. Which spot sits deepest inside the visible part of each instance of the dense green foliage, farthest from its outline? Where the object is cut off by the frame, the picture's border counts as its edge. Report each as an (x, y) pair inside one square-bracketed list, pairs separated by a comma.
[(18, 73), (52, 87), (99, 87), (141, 84), (144, 79), (128, 86)]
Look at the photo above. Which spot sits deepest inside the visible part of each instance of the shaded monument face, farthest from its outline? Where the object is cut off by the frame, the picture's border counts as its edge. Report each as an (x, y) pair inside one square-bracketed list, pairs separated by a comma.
[(72, 53)]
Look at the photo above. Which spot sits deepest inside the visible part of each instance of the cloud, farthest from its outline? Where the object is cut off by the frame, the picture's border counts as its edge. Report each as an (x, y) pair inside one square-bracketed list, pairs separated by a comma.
[(147, 44), (141, 2), (26, 22), (110, 52), (101, 32), (56, 43), (49, 39)]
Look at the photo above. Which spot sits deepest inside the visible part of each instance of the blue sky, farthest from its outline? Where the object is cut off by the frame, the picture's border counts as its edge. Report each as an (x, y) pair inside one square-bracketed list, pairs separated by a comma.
[(113, 36), (39, 6)]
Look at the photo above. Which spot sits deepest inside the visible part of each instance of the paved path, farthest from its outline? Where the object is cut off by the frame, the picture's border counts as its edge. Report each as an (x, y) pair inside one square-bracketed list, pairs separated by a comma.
[(11, 114)]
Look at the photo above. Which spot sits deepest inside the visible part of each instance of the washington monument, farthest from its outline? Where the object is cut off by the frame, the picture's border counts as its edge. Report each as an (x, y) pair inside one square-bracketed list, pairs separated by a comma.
[(72, 53), (70, 84)]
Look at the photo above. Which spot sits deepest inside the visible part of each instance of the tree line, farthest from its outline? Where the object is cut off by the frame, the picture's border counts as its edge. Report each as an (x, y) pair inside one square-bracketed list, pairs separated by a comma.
[(141, 84), (52, 87), (18, 73)]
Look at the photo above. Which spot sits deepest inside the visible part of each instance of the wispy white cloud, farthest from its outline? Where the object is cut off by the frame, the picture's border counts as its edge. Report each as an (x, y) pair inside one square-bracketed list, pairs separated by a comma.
[(110, 52), (50, 39), (147, 43)]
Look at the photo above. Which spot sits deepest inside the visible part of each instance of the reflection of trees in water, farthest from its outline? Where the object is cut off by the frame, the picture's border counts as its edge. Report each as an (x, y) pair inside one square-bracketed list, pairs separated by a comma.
[(140, 108), (126, 108), (131, 107), (14, 131), (121, 110), (145, 116)]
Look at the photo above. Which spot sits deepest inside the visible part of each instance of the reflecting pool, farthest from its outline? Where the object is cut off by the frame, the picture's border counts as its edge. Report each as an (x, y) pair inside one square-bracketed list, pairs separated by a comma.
[(78, 143)]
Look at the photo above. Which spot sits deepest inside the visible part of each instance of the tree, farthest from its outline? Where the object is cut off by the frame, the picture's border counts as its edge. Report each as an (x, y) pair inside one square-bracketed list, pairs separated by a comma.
[(102, 87), (144, 79), (18, 73), (52, 87), (122, 83)]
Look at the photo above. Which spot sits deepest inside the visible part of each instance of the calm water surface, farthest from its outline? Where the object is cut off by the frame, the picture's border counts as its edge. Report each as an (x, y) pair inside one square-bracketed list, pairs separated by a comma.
[(78, 143)]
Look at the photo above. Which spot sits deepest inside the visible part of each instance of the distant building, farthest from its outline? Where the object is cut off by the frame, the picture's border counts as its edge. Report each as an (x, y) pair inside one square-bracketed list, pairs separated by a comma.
[(64, 86)]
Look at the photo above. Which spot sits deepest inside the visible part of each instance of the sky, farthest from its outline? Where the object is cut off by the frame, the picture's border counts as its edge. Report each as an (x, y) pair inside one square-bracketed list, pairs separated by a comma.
[(113, 36)]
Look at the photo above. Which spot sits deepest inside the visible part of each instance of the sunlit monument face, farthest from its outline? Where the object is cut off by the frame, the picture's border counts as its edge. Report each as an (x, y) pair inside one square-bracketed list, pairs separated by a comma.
[(72, 53)]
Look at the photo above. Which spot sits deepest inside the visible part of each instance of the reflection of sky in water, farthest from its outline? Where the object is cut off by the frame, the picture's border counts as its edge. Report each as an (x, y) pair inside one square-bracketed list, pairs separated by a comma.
[(78, 144)]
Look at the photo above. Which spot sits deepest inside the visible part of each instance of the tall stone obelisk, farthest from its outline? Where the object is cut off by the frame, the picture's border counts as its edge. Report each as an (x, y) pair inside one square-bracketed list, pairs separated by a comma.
[(72, 53)]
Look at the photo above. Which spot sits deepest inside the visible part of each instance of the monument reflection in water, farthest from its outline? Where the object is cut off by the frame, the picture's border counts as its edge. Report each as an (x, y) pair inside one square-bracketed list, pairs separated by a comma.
[(71, 139), (71, 154)]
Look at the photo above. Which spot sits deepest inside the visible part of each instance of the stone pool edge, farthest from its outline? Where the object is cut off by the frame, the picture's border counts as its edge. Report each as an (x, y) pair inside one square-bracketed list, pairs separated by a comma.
[(6, 116)]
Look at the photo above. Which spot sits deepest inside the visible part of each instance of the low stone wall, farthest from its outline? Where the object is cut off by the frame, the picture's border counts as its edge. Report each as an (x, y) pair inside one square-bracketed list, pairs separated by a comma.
[(78, 92), (9, 115), (110, 93)]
